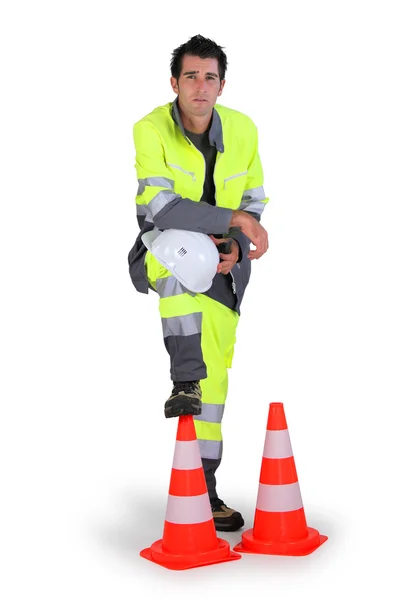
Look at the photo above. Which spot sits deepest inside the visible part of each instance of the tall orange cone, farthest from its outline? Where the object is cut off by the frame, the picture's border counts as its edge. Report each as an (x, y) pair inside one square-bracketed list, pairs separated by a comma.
[(279, 524), (189, 538)]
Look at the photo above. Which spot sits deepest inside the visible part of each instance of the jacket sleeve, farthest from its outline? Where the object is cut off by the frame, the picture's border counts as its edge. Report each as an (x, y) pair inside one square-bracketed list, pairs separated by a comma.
[(253, 198), (156, 199)]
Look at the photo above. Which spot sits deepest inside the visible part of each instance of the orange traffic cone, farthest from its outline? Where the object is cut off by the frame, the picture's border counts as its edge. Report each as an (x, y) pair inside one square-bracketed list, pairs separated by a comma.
[(189, 538), (279, 524)]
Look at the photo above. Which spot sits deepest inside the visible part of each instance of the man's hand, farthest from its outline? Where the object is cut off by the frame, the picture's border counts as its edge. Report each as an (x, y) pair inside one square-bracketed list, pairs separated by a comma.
[(228, 260), (254, 231)]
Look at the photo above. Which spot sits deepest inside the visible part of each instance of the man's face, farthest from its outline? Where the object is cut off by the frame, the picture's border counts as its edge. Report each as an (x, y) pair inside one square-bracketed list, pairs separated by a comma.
[(198, 85)]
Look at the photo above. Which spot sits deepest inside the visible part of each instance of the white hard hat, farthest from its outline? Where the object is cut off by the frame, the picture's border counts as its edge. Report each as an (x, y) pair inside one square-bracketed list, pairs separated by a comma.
[(191, 257)]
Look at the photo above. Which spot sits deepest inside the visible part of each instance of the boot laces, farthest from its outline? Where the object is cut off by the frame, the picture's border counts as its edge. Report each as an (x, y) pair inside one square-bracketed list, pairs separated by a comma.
[(184, 386)]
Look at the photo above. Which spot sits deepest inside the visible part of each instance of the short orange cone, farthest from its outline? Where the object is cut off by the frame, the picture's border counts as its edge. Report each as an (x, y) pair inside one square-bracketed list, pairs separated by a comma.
[(189, 538), (279, 524)]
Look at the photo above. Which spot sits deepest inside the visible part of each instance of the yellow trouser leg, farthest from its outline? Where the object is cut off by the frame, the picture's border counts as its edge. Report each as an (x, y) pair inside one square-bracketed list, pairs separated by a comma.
[(197, 331)]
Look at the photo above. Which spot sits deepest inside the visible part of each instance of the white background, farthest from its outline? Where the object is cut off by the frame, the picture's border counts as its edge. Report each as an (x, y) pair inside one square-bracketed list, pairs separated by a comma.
[(86, 452)]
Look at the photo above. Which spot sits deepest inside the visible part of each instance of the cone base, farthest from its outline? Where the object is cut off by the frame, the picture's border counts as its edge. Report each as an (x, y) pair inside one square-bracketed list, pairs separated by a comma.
[(178, 562), (302, 547)]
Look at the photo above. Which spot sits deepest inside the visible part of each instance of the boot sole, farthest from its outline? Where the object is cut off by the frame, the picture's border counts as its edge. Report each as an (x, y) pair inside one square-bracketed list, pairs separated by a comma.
[(229, 527)]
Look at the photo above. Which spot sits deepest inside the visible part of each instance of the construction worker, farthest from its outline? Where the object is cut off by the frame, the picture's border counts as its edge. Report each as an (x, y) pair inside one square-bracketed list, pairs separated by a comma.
[(199, 170)]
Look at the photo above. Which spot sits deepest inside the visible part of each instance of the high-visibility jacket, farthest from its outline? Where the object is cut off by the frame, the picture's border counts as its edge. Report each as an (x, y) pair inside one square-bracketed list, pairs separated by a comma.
[(171, 173)]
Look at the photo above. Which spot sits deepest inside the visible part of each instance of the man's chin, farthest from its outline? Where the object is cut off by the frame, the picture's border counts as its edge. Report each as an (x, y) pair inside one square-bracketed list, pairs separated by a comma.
[(201, 107)]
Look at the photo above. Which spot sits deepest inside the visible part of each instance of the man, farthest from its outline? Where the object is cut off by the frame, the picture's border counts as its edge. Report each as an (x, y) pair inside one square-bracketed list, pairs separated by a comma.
[(198, 169)]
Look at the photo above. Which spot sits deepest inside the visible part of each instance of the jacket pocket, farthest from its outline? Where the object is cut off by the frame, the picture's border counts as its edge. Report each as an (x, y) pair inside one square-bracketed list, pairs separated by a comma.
[(236, 176), (191, 173)]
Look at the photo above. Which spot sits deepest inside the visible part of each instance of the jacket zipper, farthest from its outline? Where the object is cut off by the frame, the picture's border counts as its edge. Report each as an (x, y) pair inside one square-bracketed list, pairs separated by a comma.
[(204, 162), (215, 184), (233, 283), (194, 179)]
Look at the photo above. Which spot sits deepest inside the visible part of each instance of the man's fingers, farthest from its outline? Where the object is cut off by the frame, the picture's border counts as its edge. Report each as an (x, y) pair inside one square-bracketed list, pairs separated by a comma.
[(225, 266), (225, 270), (261, 246), (227, 257), (259, 251), (258, 237), (217, 241)]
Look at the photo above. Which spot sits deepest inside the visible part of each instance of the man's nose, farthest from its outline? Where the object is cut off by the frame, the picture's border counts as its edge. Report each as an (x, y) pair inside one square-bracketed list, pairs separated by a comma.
[(201, 85)]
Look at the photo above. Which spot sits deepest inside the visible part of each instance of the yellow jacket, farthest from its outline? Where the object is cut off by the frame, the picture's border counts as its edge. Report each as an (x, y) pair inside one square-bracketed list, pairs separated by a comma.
[(171, 173)]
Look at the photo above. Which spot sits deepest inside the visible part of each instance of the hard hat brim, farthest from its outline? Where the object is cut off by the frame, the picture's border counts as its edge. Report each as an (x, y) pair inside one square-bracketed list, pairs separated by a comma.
[(150, 237)]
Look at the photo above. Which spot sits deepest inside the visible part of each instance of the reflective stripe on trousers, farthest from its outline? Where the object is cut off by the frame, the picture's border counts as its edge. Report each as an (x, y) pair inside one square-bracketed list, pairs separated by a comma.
[(199, 334)]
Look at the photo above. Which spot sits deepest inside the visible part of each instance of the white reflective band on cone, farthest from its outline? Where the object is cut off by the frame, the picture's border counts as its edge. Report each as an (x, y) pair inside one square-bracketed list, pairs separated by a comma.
[(277, 444), (279, 498), (187, 456), (187, 510)]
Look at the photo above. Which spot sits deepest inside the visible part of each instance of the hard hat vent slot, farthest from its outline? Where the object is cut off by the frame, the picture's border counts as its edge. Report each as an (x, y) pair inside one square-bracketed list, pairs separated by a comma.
[(182, 251)]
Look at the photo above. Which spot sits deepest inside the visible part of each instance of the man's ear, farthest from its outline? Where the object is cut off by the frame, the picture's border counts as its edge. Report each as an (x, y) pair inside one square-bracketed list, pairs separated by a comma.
[(221, 87), (174, 85)]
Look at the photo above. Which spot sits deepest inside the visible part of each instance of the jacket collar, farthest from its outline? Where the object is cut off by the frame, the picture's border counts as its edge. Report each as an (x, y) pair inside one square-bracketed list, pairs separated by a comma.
[(215, 134)]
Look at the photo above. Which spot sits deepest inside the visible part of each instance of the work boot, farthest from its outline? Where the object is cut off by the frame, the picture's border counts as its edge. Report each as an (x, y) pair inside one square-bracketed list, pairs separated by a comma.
[(225, 519), (185, 399)]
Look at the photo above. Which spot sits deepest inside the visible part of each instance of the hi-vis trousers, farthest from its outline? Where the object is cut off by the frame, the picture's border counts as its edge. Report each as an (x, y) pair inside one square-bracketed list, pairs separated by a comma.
[(199, 335)]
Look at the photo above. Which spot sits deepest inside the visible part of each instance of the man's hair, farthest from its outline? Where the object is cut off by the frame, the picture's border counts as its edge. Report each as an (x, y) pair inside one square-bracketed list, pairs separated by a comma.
[(202, 47)]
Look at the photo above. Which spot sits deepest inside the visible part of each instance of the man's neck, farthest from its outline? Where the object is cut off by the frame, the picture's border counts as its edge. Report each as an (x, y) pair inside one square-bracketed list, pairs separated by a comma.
[(195, 124)]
